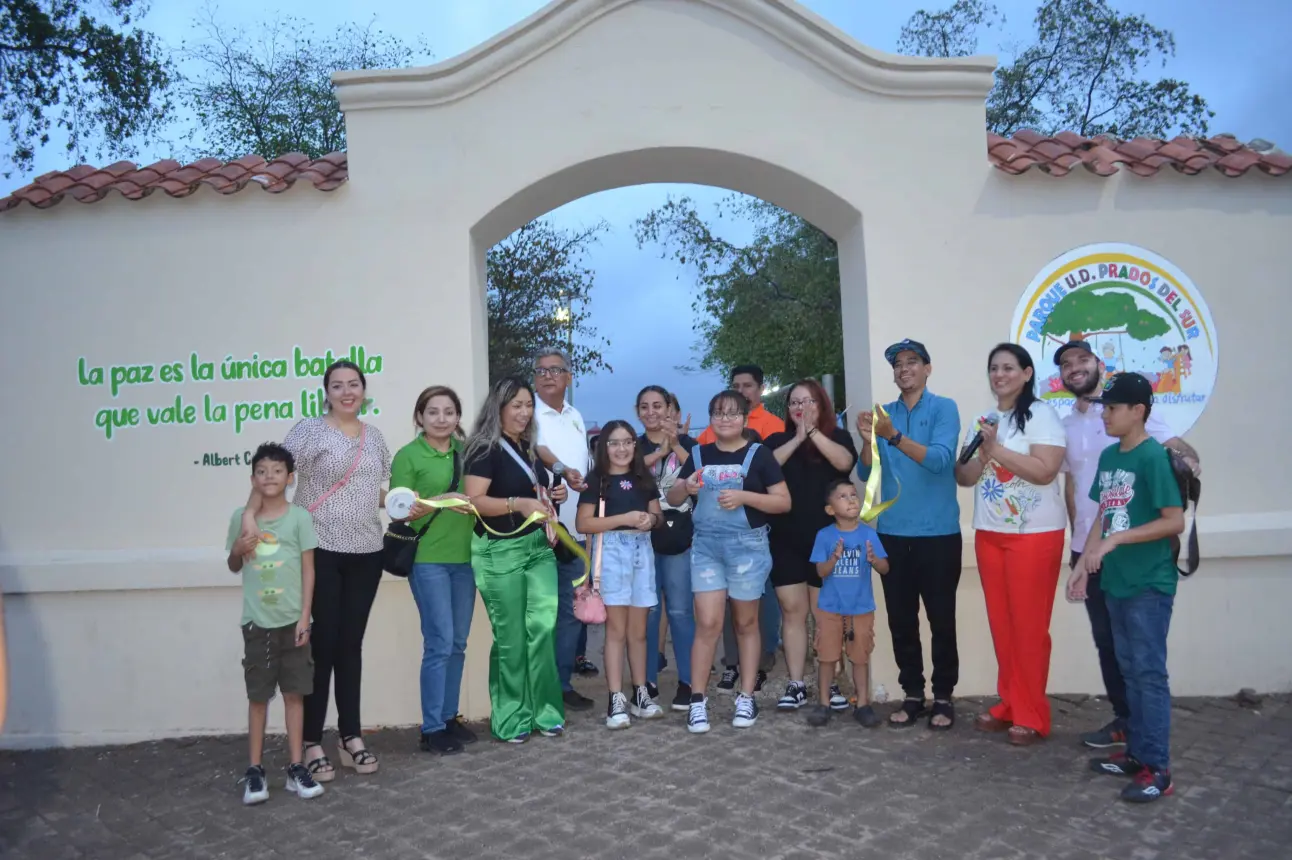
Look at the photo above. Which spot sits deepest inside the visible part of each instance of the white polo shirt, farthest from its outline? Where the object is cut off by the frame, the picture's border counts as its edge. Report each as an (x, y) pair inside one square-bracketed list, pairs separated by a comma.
[(1086, 441), (563, 433)]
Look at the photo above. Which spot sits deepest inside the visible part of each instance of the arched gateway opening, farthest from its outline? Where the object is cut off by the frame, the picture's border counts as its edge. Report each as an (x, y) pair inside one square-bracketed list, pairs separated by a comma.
[(758, 96)]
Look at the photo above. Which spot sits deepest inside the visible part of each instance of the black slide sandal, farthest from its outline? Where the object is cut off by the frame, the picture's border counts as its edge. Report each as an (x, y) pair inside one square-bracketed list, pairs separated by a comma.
[(942, 708), (914, 709)]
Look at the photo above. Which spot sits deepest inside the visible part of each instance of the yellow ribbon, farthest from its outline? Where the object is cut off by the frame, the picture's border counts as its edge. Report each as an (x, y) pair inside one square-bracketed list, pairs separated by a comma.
[(870, 510), (562, 535)]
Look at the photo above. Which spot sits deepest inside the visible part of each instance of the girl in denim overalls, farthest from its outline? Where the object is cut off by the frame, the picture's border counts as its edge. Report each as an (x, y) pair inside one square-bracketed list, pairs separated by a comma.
[(736, 485)]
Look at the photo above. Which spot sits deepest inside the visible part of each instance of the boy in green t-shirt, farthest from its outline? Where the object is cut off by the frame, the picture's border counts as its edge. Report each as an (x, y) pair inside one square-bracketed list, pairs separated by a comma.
[(277, 567), (1139, 512)]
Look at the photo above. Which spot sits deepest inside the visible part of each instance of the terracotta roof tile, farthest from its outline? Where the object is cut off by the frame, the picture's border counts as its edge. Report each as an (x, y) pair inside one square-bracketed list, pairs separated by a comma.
[(1057, 155), (88, 184), (1145, 156)]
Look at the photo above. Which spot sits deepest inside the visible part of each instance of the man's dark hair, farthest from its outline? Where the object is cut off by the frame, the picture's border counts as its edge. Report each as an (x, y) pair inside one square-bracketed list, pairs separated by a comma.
[(834, 485), (276, 453), (752, 369)]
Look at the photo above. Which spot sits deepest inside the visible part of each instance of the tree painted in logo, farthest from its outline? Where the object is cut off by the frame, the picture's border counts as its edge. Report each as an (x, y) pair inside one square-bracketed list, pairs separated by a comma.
[(1088, 312)]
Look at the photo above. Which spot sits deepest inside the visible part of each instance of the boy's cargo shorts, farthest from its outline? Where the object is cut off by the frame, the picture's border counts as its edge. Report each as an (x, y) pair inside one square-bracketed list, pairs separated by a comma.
[(272, 659), (837, 634)]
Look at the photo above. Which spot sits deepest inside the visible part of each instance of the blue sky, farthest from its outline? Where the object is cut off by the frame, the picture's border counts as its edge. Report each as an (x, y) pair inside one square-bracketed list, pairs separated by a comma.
[(1233, 52)]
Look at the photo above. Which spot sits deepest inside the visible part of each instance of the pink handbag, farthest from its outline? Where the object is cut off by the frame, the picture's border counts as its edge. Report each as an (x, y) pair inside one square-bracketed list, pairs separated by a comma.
[(589, 608)]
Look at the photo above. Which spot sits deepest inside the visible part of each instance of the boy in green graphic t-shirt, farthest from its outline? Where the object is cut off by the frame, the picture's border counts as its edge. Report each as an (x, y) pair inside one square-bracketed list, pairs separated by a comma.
[(1140, 511), (277, 567)]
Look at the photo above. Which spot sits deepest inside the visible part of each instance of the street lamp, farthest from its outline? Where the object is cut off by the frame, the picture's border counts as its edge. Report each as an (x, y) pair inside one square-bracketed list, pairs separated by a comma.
[(564, 316)]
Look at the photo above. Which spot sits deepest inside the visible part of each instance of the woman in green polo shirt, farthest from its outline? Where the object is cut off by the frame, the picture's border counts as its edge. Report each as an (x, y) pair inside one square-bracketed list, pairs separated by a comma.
[(442, 582)]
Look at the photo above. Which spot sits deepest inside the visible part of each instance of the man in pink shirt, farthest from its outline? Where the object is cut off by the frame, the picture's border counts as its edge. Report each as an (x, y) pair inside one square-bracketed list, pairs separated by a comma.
[(1082, 372)]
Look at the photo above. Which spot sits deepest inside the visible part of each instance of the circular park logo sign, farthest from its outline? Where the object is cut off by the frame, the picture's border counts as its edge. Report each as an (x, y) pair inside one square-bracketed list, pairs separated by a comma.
[(1138, 313)]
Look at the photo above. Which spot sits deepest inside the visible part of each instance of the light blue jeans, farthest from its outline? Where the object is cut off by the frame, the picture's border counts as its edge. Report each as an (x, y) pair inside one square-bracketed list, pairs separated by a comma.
[(673, 580), (446, 598)]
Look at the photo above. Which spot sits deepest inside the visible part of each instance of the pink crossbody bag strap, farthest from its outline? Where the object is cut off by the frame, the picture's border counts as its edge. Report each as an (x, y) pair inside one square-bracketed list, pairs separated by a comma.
[(363, 435), (601, 549)]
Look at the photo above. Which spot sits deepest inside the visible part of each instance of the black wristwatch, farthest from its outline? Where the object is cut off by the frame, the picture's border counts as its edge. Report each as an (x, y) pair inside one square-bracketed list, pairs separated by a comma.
[(896, 438)]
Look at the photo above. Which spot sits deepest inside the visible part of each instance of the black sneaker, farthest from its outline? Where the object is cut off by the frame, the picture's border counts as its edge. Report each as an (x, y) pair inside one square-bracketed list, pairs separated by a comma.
[(682, 701), (759, 680), (697, 720), (1150, 784), (838, 701), (746, 712), (585, 667), (617, 712), (819, 716), (1118, 764), (643, 705), (440, 742), (255, 788), (457, 728), (576, 701), (300, 782), (653, 689), (795, 697), (866, 715), (1111, 735), (730, 675)]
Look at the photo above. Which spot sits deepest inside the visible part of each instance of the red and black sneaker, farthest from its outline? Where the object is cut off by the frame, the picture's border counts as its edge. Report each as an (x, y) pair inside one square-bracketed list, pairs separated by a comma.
[(1150, 784), (1117, 764)]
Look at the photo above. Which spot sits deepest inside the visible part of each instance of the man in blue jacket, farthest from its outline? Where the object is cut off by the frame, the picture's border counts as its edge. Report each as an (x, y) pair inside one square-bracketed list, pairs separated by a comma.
[(921, 533)]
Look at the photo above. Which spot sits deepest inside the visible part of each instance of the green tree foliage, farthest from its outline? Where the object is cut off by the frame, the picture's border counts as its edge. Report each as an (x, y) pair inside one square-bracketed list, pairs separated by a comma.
[(267, 90), (539, 291), (1085, 67), (78, 68), (1089, 311), (773, 302)]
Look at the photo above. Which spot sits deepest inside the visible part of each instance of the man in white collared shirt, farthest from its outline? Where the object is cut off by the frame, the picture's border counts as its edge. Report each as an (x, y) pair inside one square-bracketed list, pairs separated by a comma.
[(1082, 372), (563, 448)]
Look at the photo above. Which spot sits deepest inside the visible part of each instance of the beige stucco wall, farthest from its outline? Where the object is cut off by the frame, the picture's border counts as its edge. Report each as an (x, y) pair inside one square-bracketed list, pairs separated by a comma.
[(118, 606)]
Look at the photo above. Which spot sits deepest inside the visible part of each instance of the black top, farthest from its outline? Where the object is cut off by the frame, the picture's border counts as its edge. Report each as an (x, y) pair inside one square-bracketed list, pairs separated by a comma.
[(764, 472), (807, 474), (507, 479), (624, 494), (648, 447)]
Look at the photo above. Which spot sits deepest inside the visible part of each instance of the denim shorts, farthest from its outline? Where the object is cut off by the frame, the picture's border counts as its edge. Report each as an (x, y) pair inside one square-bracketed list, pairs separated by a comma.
[(736, 561), (628, 569)]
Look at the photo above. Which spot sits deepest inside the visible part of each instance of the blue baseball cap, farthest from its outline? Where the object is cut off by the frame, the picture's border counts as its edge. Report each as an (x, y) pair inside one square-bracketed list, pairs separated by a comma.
[(908, 345)]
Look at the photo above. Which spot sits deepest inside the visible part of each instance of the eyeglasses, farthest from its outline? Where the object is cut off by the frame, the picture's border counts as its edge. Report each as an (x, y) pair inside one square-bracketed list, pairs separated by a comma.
[(621, 443), (549, 371), (798, 404), (726, 416)]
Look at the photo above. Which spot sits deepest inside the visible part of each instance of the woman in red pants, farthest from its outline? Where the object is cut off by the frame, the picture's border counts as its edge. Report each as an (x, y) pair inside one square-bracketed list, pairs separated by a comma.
[(1019, 519)]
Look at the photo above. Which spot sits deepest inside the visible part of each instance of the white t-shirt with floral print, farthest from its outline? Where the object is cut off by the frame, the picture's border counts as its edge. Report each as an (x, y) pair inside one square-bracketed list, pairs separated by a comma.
[(1004, 502), (349, 520)]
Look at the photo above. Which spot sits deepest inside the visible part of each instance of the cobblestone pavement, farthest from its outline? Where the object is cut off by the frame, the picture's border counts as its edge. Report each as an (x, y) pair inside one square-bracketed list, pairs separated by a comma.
[(778, 790)]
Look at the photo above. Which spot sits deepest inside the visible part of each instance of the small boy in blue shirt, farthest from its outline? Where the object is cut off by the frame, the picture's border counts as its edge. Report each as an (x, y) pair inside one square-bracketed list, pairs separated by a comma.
[(845, 612)]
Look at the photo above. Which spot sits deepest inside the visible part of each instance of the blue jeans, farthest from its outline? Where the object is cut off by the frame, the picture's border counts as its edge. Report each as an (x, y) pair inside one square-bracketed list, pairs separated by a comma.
[(568, 628), (446, 597), (673, 581), (1140, 625), (1101, 628)]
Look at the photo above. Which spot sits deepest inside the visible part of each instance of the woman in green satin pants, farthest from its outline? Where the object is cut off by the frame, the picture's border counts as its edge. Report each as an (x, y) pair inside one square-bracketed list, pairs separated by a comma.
[(515, 574)]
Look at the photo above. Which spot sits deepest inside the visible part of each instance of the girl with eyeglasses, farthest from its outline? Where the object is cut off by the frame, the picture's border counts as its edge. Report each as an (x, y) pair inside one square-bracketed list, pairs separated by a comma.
[(619, 509), (737, 485)]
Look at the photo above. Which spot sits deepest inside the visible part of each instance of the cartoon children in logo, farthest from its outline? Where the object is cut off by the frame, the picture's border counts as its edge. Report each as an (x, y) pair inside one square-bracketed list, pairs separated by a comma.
[(1168, 380), (268, 567)]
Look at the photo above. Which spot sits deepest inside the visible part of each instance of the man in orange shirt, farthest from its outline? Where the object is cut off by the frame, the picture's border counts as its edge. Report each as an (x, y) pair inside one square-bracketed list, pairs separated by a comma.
[(748, 380)]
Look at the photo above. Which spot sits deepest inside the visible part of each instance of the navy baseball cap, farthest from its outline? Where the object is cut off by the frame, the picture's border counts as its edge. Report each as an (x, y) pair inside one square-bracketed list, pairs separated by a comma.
[(908, 345), (1072, 344), (1128, 388)]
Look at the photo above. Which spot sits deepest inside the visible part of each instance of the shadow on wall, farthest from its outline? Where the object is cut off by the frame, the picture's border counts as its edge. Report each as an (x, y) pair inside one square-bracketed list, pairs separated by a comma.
[(1037, 194)]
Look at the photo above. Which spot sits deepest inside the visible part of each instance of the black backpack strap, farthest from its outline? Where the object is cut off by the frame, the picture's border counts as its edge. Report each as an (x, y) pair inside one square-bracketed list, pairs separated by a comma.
[(453, 488)]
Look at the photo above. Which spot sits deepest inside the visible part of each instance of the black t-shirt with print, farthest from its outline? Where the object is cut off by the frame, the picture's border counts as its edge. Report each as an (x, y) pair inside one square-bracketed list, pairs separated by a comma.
[(807, 474), (506, 479), (764, 472), (623, 493)]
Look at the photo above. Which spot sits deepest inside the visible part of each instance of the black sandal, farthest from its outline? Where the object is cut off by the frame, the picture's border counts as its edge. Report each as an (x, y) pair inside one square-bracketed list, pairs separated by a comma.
[(361, 761), (942, 708), (913, 708), (320, 768)]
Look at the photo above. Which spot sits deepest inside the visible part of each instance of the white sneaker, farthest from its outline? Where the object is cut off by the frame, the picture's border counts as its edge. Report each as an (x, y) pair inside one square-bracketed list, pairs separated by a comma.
[(838, 701), (617, 712), (301, 782), (255, 786), (697, 719), (795, 697), (644, 707), (746, 711)]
